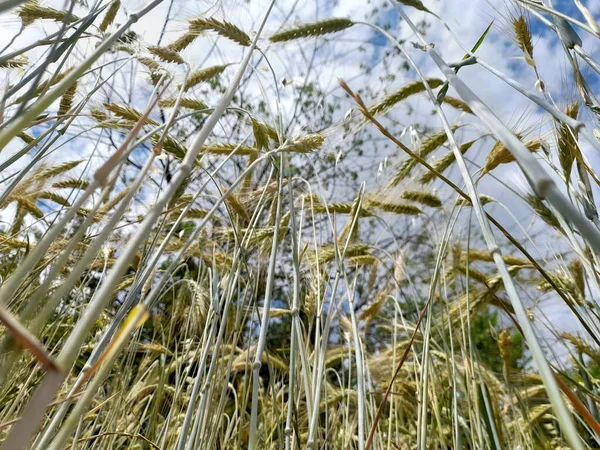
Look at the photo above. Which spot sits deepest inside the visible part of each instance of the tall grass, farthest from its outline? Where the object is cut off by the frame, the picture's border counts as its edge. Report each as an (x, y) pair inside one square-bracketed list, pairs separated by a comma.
[(217, 264)]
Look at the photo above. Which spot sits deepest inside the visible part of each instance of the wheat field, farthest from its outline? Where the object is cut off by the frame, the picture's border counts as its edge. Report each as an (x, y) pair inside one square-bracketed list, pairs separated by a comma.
[(299, 225)]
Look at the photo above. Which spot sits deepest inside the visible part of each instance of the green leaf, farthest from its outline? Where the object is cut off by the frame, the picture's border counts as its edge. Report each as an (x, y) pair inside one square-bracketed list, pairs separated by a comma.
[(444, 90)]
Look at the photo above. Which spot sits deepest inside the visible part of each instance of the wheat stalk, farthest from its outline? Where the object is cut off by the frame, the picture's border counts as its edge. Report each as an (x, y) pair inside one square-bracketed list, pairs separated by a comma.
[(149, 63), (417, 4)]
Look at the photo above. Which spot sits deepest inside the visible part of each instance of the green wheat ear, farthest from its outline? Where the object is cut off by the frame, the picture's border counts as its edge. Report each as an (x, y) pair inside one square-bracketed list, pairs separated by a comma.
[(21, 61), (402, 94), (313, 29), (306, 144), (202, 75), (422, 197), (227, 149), (165, 54), (568, 149), (32, 11), (431, 144), (396, 208), (261, 134), (110, 15), (190, 103), (444, 162), (225, 29), (67, 100), (417, 4), (127, 113), (543, 211)]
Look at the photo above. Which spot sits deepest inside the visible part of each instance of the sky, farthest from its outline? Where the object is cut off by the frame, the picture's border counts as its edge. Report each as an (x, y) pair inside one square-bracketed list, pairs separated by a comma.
[(346, 55)]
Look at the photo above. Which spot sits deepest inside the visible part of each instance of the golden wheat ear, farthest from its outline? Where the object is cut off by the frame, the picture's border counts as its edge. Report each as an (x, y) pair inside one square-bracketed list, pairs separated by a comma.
[(524, 40)]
